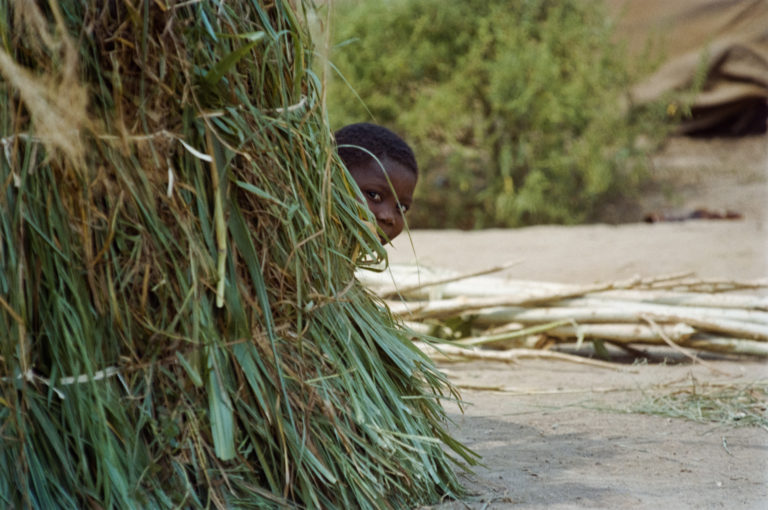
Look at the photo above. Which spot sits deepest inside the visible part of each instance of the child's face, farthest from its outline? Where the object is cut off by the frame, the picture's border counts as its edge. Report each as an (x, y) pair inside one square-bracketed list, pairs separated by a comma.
[(388, 203)]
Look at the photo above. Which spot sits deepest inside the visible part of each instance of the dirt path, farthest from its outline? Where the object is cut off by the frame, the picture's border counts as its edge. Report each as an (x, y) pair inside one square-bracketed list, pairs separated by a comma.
[(557, 435)]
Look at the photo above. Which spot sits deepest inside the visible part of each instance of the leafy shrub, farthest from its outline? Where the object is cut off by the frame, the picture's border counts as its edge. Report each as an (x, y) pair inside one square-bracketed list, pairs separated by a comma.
[(516, 110)]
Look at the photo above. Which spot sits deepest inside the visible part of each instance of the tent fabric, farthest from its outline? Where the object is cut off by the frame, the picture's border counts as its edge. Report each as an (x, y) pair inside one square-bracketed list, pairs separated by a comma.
[(727, 40)]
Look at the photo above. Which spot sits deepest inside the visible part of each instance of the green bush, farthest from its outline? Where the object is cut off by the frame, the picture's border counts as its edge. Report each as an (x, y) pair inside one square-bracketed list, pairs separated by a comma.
[(517, 111)]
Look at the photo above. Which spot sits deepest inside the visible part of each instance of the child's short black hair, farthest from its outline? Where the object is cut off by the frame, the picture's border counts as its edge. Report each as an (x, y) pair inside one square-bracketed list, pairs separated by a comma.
[(377, 140)]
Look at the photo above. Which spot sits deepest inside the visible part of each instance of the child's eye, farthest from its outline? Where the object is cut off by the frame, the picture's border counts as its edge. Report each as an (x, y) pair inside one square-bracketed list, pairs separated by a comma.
[(374, 195), (403, 208)]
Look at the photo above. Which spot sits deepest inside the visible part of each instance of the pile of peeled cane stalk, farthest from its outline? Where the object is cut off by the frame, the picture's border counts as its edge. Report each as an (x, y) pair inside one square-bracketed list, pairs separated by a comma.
[(682, 311)]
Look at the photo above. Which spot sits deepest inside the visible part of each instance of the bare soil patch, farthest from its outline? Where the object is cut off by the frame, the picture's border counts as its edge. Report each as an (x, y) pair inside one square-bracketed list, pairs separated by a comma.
[(559, 435)]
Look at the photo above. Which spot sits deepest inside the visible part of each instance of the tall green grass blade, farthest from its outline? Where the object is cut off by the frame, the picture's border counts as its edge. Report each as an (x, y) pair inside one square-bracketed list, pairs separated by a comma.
[(218, 71), (220, 408)]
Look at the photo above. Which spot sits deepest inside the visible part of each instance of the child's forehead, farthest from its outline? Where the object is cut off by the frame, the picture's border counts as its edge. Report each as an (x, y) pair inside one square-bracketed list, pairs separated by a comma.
[(370, 165), (378, 166), (390, 174)]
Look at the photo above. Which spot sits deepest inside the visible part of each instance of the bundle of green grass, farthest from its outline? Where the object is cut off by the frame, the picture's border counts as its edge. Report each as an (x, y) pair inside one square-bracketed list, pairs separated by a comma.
[(180, 326)]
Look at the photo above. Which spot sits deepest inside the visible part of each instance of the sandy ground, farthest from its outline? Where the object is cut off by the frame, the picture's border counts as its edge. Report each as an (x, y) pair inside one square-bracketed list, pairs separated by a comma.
[(559, 435)]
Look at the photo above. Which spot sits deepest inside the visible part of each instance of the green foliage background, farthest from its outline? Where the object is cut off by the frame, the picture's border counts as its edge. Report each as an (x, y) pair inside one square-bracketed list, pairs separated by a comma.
[(517, 111)]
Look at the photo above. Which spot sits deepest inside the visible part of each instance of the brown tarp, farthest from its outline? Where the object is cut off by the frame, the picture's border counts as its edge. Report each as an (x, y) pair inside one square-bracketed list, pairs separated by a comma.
[(726, 39)]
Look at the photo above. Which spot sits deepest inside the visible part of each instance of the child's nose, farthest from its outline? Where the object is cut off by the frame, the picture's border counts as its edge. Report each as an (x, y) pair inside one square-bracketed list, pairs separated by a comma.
[(387, 217)]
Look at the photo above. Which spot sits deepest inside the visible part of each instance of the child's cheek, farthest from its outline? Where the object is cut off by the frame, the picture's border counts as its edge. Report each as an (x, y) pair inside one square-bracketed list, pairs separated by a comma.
[(372, 205)]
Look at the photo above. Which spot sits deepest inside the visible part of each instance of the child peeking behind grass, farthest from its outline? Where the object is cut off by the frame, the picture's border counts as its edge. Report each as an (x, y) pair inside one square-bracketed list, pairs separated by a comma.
[(385, 170)]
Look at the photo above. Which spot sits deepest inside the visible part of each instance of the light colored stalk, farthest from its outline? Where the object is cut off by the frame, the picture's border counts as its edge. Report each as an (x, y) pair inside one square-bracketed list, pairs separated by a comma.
[(624, 333), (696, 299), (745, 314), (606, 311), (452, 353), (723, 344), (420, 328), (713, 284), (503, 315), (729, 327), (419, 282), (699, 341), (455, 306)]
